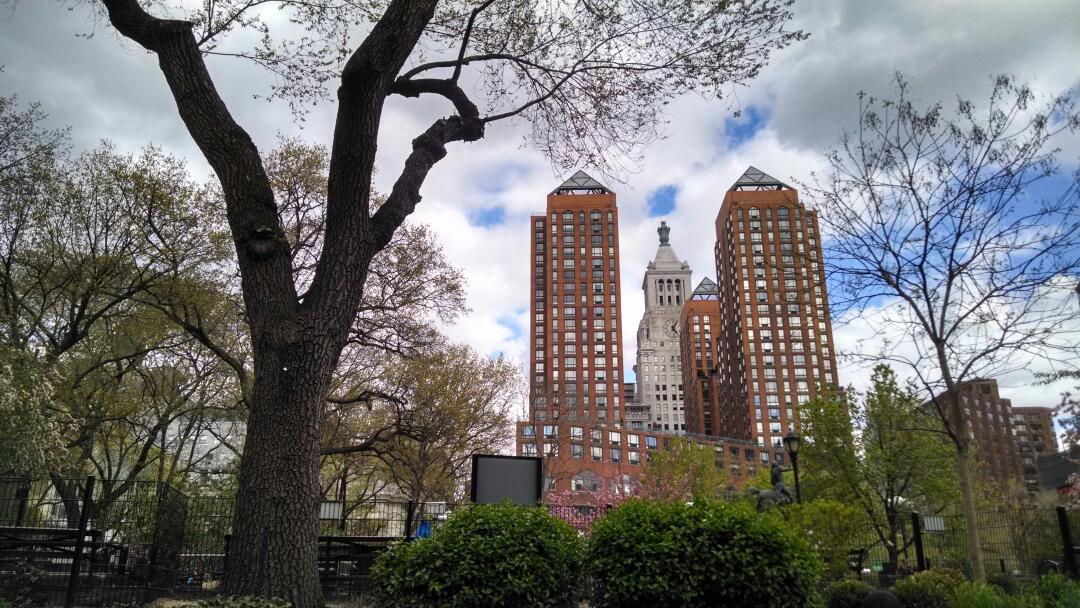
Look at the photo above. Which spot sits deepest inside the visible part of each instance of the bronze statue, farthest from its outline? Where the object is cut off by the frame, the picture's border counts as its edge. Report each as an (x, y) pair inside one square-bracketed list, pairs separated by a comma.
[(778, 496)]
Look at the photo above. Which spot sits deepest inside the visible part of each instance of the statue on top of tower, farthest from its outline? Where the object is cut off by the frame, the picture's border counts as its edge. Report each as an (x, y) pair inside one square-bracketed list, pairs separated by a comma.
[(663, 231)]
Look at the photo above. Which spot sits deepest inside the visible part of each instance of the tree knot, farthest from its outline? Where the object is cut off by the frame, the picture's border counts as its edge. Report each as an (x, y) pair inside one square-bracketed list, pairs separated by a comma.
[(431, 144), (264, 240)]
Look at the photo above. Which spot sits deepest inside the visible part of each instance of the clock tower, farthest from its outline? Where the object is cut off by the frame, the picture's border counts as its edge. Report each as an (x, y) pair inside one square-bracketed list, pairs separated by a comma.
[(666, 286)]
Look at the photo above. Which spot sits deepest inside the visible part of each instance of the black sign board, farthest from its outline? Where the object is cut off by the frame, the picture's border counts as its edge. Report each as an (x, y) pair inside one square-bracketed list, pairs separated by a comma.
[(518, 479)]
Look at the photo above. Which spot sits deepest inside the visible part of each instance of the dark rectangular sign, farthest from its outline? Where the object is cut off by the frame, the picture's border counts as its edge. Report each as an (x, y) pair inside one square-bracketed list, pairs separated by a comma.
[(518, 479)]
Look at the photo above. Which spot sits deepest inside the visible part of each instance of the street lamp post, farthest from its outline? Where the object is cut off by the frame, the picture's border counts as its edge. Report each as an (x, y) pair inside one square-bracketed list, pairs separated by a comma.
[(791, 444)]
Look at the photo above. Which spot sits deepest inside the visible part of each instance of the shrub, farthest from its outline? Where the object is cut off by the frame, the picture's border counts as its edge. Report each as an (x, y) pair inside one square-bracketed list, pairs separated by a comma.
[(1056, 591), (243, 601), (981, 595), (930, 589), (695, 556), (490, 556), (1004, 581), (24, 585), (846, 594)]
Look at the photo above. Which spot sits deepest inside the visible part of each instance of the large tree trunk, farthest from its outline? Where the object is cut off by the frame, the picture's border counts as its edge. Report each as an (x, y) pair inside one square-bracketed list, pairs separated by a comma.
[(275, 537)]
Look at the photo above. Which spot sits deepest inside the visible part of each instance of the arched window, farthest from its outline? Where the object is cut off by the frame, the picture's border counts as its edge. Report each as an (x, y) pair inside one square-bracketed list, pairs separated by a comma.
[(581, 217), (782, 213), (568, 216), (755, 213)]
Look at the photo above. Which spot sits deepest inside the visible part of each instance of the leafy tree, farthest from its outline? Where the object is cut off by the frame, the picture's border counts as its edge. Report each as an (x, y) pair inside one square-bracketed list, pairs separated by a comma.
[(832, 528), (683, 471), (881, 452), (935, 234), (454, 403), (30, 423), (592, 78)]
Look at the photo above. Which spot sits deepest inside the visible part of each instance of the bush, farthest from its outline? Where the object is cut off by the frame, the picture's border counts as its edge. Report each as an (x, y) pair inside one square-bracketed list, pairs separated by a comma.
[(981, 595), (930, 589), (1004, 581), (243, 601), (1056, 591), (846, 594), (24, 586), (705, 554), (488, 555)]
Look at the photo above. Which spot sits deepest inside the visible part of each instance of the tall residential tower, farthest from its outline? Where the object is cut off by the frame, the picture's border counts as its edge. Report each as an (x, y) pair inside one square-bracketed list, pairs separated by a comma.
[(775, 343)]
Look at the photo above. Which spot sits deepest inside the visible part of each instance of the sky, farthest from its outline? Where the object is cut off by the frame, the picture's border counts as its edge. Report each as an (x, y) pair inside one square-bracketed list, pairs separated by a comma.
[(479, 198)]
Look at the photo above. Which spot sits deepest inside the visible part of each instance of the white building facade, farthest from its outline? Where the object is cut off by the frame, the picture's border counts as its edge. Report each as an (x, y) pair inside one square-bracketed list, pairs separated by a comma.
[(659, 399)]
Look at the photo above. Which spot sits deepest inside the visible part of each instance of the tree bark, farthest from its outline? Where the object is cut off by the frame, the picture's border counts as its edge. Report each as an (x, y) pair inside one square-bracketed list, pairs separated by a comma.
[(963, 474), (275, 538), (967, 496)]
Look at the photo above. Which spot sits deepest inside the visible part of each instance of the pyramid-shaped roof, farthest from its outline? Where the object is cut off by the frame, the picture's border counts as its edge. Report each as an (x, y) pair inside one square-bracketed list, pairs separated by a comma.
[(756, 179), (707, 289), (581, 183)]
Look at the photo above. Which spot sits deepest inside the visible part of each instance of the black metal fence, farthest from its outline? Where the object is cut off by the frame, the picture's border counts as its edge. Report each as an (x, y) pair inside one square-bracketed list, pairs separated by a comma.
[(1024, 543), (87, 543), (79, 541), (349, 541)]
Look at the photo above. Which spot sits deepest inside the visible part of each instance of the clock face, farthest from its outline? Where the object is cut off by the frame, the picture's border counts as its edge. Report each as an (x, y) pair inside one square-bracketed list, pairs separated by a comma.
[(671, 328)]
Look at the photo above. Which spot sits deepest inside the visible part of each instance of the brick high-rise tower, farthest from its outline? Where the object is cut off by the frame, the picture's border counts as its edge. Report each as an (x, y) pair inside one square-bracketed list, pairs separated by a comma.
[(576, 370), (575, 356), (775, 337)]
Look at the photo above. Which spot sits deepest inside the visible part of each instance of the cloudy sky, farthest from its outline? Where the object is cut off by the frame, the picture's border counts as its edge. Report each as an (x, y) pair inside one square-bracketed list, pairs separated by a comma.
[(479, 198)]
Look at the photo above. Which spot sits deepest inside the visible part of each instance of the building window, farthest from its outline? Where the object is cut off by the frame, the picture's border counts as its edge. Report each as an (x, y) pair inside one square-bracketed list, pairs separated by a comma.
[(550, 430), (596, 452), (616, 455), (528, 449), (650, 442)]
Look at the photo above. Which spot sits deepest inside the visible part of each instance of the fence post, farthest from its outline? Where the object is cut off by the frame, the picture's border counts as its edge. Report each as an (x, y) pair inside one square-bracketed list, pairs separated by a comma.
[(80, 541), (916, 532), (409, 506), (225, 556), (1067, 542), (22, 495)]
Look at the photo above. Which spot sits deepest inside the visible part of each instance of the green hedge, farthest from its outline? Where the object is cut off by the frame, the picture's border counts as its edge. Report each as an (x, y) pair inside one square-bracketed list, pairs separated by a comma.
[(982, 595), (1056, 591), (696, 556), (846, 594), (487, 556), (930, 589)]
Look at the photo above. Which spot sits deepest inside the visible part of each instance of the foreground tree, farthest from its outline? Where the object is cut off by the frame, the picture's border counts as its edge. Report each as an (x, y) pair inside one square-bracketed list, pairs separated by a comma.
[(881, 453), (591, 77), (935, 233)]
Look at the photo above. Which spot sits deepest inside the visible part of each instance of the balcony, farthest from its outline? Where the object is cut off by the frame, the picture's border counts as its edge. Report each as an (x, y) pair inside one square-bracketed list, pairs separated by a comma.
[(637, 412)]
